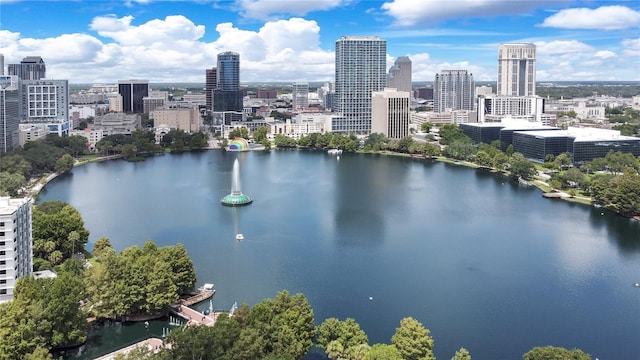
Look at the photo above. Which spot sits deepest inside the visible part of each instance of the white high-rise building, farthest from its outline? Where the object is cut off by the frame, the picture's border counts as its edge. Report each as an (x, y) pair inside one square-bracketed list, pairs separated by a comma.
[(45, 102), (16, 244), (390, 113), (360, 70), (400, 74), (453, 90), (517, 70), (300, 95)]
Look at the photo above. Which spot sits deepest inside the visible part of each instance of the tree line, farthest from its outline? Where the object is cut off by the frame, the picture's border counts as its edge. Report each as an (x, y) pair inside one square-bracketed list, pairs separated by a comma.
[(283, 328)]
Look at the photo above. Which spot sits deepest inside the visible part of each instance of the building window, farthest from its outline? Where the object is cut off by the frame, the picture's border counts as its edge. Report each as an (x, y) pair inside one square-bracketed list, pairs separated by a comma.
[(3, 291)]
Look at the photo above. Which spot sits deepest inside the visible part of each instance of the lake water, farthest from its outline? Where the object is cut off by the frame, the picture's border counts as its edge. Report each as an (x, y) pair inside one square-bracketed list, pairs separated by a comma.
[(481, 261)]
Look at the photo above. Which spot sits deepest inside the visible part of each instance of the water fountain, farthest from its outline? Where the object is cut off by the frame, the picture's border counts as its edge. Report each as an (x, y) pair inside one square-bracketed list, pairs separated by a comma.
[(236, 198)]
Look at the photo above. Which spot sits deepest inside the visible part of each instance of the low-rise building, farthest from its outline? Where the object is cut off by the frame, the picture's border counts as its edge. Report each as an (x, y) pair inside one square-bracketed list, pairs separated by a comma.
[(93, 136), (117, 123), (186, 119), (31, 132)]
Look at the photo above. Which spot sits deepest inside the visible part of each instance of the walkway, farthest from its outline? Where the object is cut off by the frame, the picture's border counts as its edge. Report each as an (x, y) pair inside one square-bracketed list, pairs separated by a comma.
[(153, 344), (194, 317), (200, 296)]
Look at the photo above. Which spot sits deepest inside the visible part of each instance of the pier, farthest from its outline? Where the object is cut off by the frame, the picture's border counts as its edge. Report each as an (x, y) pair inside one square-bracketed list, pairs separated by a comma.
[(194, 317), (203, 294), (153, 344)]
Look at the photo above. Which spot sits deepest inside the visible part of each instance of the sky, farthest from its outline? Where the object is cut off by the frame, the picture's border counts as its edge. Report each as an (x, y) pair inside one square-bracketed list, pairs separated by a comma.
[(103, 41)]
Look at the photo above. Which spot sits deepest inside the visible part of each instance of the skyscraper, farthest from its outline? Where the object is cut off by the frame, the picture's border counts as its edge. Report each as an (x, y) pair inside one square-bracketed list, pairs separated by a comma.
[(16, 249), (390, 113), (454, 90), (300, 95), (400, 74), (360, 70), (517, 69), (1, 65), (133, 92), (30, 68), (9, 113), (227, 97), (210, 85)]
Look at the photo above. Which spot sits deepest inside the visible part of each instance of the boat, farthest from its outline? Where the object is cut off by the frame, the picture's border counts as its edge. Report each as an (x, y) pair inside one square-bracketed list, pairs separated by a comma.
[(334, 151), (239, 237)]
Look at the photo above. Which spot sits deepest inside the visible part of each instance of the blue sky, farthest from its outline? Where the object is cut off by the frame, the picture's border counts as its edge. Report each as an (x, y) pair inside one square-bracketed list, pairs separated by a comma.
[(293, 40)]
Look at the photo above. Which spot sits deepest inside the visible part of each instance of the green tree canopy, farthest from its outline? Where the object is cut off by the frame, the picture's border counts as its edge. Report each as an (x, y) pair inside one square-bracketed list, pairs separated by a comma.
[(555, 353), (413, 340), (53, 222)]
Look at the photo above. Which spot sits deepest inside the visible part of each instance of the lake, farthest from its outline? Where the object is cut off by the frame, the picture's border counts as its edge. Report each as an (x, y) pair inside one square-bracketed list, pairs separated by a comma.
[(481, 261)]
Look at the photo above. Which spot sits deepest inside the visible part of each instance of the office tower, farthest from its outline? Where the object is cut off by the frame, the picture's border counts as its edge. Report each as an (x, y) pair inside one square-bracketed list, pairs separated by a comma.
[(400, 74), (300, 95), (517, 69), (360, 70), (209, 86), (16, 249), (9, 113), (45, 102), (1, 65), (227, 97), (30, 68), (390, 113), (453, 90), (133, 92)]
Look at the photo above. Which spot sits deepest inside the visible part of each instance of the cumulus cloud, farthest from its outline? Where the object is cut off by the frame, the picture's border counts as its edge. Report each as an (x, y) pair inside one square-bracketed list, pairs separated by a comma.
[(424, 68), (413, 12), (612, 17), (172, 49), (265, 9), (605, 54), (632, 48), (561, 47)]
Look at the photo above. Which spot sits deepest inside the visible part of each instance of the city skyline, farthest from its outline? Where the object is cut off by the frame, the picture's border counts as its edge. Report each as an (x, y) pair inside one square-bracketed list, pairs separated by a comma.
[(288, 41)]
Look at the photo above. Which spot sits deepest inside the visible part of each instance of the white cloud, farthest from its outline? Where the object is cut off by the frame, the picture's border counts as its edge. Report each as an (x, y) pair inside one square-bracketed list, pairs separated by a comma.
[(172, 28), (632, 49), (413, 12), (424, 68), (612, 17), (265, 9), (557, 47), (605, 54)]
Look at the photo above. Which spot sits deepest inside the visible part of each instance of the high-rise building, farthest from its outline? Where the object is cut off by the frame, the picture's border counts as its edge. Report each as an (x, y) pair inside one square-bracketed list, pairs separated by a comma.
[(133, 92), (300, 95), (45, 102), (9, 113), (360, 70), (517, 70), (1, 65), (30, 68), (400, 74), (16, 249), (453, 90), (227, 97), (390, 113), (211, 81)]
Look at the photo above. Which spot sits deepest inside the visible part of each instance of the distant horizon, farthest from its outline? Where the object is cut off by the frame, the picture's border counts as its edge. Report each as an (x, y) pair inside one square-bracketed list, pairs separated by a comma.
[(167, 41)]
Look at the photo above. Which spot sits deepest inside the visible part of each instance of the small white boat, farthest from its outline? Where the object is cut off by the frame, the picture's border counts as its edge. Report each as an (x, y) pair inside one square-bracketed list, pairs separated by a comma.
[(239, 236)]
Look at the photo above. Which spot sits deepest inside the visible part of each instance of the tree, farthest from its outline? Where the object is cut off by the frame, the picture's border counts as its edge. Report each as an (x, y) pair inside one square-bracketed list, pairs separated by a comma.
[(404, 144), (348, 333), (521, 167), (11, 184), (260, 134), (462, 354), (383, 352), (460, 150), (555, 353), (450, 133), (199, 140), (283, 141), (184, 274), (483, 159), (426, 127), (413, 340), (54, 221), (64, 164), (15, 164)]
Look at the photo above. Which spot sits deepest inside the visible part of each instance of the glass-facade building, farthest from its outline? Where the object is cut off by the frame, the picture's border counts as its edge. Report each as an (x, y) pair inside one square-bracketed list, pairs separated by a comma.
[(359, 71), (133, 92), (584, 144)]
